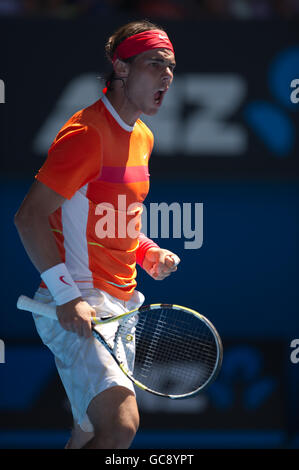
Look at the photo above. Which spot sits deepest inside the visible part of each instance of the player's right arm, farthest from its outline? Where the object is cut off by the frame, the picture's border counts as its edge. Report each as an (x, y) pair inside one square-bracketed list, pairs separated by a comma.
[(32, 223), (73, 160)]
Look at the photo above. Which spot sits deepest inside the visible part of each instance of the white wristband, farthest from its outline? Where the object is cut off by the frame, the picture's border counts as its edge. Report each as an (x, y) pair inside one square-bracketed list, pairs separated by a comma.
[(60, 284)]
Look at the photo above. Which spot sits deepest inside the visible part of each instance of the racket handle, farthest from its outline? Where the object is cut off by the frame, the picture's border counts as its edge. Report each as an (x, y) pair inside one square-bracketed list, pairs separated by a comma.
[(30, 305)]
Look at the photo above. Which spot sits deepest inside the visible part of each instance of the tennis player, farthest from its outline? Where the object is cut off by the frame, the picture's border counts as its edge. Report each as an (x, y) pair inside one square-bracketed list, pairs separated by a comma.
[(77, 235)]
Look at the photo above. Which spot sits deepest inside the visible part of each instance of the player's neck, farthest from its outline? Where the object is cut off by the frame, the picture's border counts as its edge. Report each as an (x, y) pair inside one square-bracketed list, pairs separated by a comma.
[(123, 106)]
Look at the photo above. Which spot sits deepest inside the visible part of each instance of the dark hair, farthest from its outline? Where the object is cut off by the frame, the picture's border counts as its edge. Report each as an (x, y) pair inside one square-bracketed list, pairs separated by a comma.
[(124, 32)]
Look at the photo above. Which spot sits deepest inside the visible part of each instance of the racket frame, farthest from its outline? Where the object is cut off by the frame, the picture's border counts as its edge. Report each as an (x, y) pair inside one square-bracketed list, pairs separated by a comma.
[(39, 308)]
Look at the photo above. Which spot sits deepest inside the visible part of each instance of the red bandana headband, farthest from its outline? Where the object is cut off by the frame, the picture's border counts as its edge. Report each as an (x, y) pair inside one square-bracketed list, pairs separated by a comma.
[(141, 42)]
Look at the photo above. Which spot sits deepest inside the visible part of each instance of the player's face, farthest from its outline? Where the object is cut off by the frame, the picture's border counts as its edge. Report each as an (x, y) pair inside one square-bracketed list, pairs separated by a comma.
[(150, 76)]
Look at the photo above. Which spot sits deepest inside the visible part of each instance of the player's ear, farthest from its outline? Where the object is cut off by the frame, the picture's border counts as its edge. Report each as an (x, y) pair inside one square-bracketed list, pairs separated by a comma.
[(121, 68)]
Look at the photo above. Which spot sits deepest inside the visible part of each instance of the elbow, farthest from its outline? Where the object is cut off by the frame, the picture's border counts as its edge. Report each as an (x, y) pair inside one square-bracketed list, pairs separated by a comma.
[(23, 219), (19, 220), (29, 218)]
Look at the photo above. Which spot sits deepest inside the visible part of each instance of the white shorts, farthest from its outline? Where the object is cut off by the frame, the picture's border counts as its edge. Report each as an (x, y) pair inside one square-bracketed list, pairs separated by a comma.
[(84, 365)]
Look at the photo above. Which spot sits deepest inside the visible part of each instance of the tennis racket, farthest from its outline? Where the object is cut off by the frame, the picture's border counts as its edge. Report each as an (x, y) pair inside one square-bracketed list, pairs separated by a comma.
[(169, 350)]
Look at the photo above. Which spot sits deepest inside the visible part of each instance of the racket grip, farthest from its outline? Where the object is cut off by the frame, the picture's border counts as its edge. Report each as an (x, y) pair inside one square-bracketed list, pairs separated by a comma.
[(31, 305)]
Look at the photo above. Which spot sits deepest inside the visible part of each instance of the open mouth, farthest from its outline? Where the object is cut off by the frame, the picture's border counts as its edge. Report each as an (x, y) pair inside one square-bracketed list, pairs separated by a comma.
[(158, 96)]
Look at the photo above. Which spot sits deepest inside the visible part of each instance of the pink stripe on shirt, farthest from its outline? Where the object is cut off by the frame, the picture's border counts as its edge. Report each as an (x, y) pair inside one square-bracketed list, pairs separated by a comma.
[(120, 174)]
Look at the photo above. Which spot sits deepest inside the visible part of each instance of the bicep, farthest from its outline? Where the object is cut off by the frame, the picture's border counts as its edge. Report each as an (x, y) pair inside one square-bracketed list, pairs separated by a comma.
[(40, 201), (32, 223)]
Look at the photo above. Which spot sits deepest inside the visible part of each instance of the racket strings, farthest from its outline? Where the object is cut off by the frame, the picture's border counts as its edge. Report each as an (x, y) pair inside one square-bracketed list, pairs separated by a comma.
[(175, 352)]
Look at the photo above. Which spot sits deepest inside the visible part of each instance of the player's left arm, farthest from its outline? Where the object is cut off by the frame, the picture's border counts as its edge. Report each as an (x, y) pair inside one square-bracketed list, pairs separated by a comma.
[(158, 262)]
